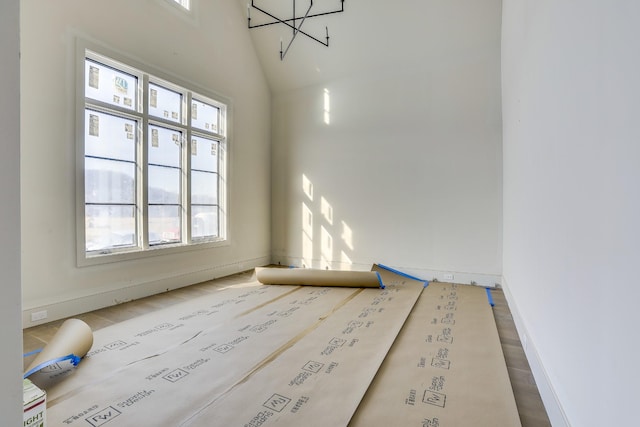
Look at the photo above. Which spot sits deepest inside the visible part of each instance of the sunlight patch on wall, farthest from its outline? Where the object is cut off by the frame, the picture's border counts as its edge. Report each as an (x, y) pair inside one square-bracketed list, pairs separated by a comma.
[(347, 235), (327, 107), (307, 236), (307, 187), (345, 261), (326, 241), (326, 250), (326, 210)]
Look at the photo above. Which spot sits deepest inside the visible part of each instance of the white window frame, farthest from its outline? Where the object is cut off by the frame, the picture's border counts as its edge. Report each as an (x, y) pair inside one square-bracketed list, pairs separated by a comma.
[(146, 74)]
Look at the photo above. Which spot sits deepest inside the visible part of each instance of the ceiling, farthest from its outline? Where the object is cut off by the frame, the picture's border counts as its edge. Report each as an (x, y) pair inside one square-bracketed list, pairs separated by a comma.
[(306, 62), (368, 34)]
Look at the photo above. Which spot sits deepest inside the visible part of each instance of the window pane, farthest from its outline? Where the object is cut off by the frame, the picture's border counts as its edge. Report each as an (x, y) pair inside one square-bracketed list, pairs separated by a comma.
[(164, 224), (164, 146), (109, 85), (108, 227), (109, 181), (165, 103), (204, 188), (204, 221), (183, 3), (109, 136), (164, 185), (204, 116), (204, 154)]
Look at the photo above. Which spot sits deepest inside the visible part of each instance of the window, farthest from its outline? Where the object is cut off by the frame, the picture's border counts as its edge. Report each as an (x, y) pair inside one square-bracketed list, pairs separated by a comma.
[(153, 157), (183, 3)]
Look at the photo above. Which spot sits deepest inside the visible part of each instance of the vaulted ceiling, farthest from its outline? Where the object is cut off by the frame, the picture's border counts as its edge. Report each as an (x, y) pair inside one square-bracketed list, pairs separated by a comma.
[(368, 34)]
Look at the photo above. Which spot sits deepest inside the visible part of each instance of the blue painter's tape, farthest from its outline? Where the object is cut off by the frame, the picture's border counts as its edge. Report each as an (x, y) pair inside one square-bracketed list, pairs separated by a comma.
[(72, 357), (400, 273), (31, 353), (489, 297), (380, 280)]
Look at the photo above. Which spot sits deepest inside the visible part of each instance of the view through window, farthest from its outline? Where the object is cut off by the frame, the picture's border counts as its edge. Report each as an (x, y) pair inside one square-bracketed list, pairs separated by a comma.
[(153, 156)]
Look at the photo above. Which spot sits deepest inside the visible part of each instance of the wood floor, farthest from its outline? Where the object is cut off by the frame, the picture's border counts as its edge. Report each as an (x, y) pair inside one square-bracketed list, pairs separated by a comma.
[(530, 407)]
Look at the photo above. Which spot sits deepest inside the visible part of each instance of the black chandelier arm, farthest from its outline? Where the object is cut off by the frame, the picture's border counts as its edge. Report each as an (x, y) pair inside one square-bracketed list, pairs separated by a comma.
[(286, 21), (296, 31), (292, 23)]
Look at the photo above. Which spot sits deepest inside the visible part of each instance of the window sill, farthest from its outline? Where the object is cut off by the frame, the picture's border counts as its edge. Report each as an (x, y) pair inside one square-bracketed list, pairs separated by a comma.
[(97, 258)]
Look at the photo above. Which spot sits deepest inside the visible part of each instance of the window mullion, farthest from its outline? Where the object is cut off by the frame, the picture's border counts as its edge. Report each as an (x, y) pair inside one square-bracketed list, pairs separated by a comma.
[(187, 171), (143, 168)]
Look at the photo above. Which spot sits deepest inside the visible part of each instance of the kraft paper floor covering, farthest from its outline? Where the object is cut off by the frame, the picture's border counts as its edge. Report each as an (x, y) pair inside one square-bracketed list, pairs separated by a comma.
[(266, 355)]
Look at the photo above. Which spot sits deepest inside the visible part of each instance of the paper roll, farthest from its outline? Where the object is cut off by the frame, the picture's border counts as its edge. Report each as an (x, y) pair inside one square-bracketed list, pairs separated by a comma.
[(73, 337), (313, 277)]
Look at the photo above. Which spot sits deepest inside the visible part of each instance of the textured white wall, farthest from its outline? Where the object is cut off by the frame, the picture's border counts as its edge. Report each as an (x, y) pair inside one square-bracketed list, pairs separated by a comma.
[(571, 97), (212, 51), (410, 160), (10, 331)]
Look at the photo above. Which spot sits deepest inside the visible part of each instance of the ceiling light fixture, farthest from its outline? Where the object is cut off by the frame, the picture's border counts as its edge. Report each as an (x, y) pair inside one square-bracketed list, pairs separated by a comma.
[(295, 23)]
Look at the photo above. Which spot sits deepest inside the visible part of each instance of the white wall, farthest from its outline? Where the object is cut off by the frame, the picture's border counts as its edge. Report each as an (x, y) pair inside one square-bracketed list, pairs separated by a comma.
[(411, 158), (10, 331), (571, 97), (212, 51)]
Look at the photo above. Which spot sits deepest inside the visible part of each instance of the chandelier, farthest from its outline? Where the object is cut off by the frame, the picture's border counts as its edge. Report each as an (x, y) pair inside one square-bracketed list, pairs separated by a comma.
[(294, 22)]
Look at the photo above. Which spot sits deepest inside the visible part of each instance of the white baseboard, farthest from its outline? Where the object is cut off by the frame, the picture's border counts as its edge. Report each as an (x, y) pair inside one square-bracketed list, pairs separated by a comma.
[(479, 279), (72, 305), (549, 397)]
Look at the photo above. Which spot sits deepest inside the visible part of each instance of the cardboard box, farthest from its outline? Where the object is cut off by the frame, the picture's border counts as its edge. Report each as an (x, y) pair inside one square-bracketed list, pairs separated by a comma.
[(35, 405)]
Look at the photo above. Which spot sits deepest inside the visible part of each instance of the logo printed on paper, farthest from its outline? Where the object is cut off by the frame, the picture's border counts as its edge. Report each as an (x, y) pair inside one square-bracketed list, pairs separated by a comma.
[(276, 402), (55, 367), (439, 363), (434, 398), (103, 416), (446, 336), (175, 375), (114, 345), (448, 319), (312, 366), (338, 342), (164, 326), (433, 422), (223, 348)]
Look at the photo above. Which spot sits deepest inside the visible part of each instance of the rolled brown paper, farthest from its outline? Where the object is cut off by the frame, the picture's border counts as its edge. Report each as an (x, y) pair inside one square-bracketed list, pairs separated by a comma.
[(73, 337), (314, 277)]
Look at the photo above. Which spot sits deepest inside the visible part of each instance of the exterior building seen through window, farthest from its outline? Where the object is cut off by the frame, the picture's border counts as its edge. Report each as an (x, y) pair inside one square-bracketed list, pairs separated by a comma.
[(152, 158)]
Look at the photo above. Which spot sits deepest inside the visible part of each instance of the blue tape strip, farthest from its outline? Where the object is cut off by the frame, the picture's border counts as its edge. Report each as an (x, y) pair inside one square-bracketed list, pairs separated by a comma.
[(380, 280), (31, 353), (393, 270), (489, 297), (400, 273), (72, 357)]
